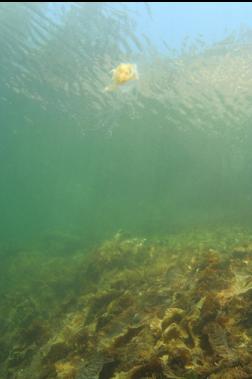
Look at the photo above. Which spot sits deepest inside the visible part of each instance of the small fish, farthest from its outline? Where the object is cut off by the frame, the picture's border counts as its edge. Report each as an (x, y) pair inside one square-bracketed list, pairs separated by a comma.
[(123, 74)]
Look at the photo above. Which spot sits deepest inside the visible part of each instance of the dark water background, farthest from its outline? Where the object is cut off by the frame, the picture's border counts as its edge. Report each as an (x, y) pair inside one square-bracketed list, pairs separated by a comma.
[(172, 154)]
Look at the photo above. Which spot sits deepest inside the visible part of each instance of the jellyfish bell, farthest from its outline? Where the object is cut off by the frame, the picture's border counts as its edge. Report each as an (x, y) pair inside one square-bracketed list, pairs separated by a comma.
[(124, 72), (122, 77)]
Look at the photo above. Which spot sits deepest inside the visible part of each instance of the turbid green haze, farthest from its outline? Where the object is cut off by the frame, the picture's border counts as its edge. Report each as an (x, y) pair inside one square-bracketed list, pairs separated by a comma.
[(173, 153)]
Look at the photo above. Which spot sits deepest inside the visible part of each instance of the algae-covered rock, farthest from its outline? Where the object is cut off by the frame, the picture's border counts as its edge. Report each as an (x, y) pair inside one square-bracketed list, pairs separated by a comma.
[(131, 309)]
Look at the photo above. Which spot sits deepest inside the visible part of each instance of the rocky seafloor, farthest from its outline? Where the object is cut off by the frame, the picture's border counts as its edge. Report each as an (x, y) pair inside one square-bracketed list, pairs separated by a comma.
[(131, 308)]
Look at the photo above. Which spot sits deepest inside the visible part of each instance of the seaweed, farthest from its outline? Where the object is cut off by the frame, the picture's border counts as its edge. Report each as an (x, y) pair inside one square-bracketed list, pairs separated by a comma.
[(176, 308)]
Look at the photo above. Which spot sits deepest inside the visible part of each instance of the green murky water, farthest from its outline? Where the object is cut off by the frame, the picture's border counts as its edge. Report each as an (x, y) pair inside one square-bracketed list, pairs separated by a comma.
[(79, 165), (172, 153)]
